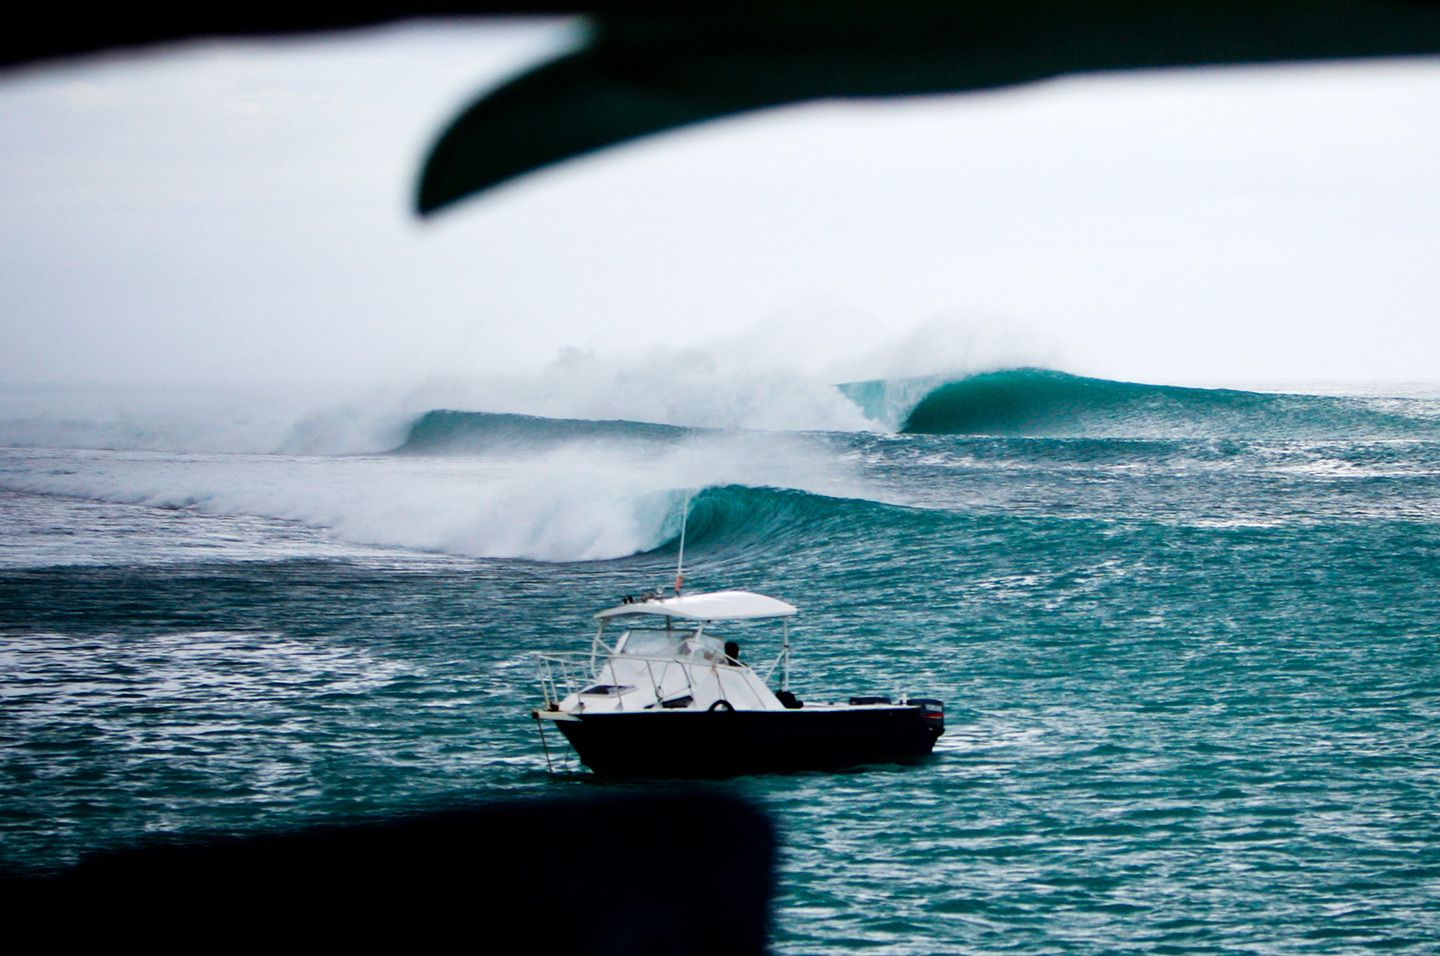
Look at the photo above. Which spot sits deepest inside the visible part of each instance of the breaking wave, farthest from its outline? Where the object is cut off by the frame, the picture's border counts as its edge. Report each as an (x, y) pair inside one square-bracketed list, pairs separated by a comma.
[(450, 432), (505, 485), (734, 519), (1044, 403), (571, 499)]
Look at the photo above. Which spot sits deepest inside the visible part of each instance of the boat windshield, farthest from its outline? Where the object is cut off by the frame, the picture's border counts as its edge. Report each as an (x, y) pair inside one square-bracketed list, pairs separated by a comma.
[(647, 643)]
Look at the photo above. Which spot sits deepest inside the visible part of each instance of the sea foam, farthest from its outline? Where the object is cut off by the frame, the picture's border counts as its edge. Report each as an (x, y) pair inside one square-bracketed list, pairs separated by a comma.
[(581, 500), (203, 419)]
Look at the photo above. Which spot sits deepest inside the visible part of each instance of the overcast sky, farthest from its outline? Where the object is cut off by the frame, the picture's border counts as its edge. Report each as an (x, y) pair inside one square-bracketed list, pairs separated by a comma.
[(241, 213)]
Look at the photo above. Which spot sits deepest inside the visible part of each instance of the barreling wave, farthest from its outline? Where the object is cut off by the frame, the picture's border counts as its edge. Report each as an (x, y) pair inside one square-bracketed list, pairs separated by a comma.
[(445, 432), (1044, 403), (736, 520)]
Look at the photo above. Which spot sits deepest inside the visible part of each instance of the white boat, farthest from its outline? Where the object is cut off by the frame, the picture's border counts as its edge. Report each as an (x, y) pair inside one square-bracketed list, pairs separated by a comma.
[(671, 696)]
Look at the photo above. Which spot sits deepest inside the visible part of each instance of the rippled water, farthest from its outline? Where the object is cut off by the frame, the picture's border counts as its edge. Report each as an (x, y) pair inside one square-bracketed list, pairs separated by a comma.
[(1192, 684)]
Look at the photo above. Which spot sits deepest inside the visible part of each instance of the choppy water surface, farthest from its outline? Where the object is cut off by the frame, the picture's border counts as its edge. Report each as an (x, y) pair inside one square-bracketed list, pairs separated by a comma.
[(1191, 675)]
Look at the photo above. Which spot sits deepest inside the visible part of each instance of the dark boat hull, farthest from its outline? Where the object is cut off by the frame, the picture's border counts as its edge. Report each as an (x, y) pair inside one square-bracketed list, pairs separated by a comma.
[(712, 743)]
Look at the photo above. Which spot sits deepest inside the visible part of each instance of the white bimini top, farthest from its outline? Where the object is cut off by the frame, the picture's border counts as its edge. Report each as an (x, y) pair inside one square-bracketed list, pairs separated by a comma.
[(714, 606)]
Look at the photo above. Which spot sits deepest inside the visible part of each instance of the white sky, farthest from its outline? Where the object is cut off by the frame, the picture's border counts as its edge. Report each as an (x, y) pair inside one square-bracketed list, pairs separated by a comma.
[(241, 213)]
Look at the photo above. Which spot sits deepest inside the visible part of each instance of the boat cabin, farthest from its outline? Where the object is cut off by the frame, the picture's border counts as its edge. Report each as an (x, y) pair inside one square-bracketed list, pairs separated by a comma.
[(670, 654)]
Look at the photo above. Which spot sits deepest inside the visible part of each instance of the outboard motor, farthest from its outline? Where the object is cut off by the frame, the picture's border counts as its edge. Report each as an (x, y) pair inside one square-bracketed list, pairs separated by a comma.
[(933, 712)]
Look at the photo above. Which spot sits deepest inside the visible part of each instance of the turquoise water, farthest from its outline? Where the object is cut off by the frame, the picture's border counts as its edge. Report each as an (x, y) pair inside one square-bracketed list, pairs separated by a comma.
[(1186, 639)]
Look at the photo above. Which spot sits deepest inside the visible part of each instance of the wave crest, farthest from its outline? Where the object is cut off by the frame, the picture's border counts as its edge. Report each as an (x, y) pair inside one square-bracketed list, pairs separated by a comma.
[(444, 432), (1043, 403)]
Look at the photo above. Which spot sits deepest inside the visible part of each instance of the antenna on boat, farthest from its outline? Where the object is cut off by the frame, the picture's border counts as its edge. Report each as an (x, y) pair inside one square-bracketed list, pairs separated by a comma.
[(680, 562)]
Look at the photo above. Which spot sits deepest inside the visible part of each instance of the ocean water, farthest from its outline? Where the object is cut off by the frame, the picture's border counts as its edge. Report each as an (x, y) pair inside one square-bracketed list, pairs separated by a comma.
[(1187, 640)]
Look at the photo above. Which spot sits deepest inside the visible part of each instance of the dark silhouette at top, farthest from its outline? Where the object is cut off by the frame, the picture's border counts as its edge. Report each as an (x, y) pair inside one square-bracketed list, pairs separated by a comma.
[(649, 67)]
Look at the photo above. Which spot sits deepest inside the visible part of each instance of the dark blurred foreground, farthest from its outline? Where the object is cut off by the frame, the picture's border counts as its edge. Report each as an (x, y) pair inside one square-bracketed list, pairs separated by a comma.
[(674, 873)]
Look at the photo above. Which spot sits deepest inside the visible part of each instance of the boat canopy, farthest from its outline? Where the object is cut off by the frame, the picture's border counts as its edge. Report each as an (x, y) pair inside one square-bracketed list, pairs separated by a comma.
[(714, 606)]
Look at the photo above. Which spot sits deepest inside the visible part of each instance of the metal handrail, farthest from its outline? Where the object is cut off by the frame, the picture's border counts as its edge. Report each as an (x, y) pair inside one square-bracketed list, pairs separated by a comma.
[(577, 668)]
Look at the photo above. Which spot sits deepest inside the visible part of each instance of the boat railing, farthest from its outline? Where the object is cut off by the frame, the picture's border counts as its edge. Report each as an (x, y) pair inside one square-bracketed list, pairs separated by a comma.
[(564, 673), (561, 674), (783, 658)]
